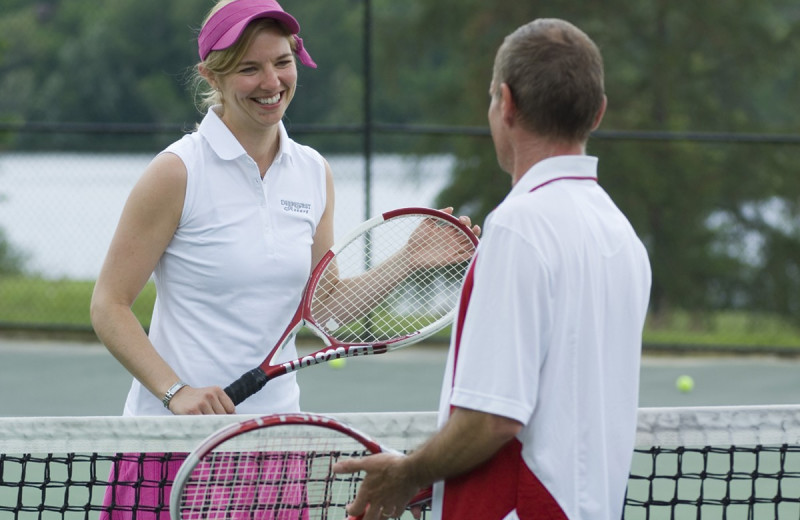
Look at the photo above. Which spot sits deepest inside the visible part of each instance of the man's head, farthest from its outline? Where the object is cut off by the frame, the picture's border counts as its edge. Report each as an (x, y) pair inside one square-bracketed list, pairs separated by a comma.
[(554, 73)]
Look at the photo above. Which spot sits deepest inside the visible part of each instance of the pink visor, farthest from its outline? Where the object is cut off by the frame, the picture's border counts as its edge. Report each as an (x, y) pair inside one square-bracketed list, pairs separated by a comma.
[(226, 25)]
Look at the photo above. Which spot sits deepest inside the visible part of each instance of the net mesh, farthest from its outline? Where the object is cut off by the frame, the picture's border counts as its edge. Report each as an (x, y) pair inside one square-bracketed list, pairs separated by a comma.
[(716, 463), (709, 463), (87, 468), (413, 265)]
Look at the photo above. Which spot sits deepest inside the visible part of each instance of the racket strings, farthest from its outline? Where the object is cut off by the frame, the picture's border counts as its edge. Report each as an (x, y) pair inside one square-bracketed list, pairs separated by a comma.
[(401, 276), (279, 481)]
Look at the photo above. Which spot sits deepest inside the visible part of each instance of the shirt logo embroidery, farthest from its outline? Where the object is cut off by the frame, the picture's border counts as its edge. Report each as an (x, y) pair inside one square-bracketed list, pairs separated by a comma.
[(295, 207)]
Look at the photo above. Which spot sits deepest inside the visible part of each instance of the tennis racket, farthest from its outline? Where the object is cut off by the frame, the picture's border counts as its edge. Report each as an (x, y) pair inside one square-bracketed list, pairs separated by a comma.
[(276, 467), (391, 282)]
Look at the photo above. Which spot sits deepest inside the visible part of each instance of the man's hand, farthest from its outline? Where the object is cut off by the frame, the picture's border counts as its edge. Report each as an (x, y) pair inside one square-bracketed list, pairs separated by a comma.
[(386, 489)]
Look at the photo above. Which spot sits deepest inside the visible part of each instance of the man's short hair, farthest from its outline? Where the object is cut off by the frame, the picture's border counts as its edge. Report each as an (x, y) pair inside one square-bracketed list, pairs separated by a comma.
[(555, 74)]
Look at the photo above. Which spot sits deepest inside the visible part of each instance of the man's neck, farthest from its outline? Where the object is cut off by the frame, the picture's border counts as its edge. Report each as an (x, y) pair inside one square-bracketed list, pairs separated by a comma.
[(536, 151)]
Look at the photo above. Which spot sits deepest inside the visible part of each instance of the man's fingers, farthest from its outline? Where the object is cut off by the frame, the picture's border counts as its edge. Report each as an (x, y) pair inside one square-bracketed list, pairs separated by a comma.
[(348, 466), (355, 511), (358, 507)]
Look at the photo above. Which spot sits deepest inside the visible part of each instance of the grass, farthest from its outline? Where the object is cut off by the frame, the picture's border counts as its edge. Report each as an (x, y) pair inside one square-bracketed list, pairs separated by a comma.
[(733, 328), (52, 304)]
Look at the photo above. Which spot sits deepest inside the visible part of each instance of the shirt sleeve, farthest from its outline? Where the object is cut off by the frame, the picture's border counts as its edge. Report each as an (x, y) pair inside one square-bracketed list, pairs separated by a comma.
[(503, 337)]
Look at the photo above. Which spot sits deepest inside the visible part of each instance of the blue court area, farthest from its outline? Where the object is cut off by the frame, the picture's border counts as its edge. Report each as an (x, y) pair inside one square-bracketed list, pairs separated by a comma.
[(46, 378)]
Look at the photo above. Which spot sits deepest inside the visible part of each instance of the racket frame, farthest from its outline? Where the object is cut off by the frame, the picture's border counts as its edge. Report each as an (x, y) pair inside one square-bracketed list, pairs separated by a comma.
[(357, 349), (233, 430), (266, 371)]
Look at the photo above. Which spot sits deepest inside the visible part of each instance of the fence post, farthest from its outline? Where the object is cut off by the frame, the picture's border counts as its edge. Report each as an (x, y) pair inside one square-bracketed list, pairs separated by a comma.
[(367, 108)]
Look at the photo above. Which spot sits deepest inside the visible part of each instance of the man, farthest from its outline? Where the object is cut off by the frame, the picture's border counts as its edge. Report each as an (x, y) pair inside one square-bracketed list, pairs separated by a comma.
[(538, 407)]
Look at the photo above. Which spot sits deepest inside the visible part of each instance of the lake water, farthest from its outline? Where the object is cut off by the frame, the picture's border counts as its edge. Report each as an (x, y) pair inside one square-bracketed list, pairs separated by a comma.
[(61, 209)]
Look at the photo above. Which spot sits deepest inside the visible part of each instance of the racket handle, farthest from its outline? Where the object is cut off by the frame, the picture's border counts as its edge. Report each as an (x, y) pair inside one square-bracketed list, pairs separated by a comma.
[(250, 383)]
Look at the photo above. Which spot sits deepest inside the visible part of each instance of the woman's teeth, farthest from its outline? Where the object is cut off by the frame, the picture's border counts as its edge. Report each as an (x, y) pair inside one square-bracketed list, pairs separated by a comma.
[(270, 100)]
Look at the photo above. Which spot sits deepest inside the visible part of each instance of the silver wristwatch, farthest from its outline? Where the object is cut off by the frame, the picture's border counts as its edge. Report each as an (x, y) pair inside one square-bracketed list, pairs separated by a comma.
[(171, 393)]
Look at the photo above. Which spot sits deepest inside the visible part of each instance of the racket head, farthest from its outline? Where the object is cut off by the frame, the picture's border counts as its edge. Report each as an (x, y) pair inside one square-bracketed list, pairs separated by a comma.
[(421, 253), (398, 299), (276, 466)]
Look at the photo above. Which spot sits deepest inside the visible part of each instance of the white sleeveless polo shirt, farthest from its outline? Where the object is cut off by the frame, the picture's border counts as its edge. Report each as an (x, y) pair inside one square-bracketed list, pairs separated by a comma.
[(231, 278)]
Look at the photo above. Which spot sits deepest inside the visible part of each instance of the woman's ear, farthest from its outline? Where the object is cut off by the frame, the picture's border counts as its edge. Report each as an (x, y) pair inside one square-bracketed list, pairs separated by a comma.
[(208, 76)]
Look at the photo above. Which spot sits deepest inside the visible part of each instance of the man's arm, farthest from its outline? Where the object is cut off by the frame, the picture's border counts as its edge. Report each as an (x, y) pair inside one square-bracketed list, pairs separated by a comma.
[(468, 439)]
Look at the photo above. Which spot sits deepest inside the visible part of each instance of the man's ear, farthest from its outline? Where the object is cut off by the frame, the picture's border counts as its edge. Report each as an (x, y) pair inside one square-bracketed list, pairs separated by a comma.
[(508, 108), (600, 113)]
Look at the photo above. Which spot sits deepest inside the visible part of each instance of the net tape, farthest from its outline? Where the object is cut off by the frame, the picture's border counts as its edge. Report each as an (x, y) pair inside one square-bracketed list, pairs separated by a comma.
[(704, 462)]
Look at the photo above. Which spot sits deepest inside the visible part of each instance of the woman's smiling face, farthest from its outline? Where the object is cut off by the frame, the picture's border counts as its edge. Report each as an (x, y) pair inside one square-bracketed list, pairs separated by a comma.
[(259, 89)]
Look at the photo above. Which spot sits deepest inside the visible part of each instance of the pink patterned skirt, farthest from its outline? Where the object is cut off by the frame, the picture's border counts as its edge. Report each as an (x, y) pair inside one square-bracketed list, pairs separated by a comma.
[(140, 486)]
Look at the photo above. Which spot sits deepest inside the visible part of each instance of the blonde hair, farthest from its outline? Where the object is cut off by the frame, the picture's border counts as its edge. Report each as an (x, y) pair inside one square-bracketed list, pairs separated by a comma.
[(222, 62)]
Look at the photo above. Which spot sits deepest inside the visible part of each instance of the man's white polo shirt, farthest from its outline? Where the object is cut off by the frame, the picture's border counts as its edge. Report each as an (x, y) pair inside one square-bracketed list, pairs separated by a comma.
[(549, 334)]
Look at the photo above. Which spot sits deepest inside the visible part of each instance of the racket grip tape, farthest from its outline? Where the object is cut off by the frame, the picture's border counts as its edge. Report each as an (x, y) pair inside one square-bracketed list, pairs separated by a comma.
[(250, 383)]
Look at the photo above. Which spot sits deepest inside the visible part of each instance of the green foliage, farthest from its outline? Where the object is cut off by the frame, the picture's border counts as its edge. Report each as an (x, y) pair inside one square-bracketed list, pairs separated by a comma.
[(11, 260), (670, 66), (83, 61), (718, 219)]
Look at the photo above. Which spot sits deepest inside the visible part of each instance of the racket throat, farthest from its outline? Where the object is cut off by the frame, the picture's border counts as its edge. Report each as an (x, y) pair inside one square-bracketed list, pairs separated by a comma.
[(323, 356)]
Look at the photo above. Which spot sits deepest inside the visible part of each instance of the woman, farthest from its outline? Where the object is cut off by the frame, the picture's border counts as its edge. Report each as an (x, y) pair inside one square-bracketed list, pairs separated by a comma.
[(230, 219)]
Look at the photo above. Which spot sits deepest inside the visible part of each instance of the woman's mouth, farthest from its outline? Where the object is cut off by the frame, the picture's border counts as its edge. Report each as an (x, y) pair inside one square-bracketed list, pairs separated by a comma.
[(268, 100)]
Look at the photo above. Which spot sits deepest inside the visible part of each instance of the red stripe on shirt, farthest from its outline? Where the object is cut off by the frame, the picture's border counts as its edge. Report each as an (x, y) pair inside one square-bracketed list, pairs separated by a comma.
[(497, 487), (504, 482), (466, 293)]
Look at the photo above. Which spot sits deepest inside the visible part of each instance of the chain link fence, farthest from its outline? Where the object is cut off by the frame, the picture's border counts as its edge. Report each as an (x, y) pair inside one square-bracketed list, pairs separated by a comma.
[(59, 210)]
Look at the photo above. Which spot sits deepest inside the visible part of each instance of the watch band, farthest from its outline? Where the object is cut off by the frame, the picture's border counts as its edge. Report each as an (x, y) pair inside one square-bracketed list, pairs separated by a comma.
[(171, 393)]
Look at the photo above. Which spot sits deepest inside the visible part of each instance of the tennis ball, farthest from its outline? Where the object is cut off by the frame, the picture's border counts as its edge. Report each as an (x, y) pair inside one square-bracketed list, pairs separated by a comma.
[(337, 363), (684, 384)]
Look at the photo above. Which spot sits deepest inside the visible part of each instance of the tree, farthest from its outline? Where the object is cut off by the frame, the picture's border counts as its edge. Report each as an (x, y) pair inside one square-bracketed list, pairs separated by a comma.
[(670, 66), (718, 218), (82, 61), (11, 260), (689, 200)]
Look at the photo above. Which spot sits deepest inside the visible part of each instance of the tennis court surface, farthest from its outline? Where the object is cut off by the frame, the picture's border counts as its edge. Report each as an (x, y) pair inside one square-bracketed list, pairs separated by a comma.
[(714, 461)]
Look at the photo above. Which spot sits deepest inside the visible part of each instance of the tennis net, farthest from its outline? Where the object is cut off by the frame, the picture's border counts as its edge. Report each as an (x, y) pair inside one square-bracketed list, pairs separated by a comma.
[(710, 463)]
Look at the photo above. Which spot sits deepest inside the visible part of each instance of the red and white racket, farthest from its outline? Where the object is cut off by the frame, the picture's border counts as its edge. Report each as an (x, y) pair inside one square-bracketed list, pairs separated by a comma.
[(391, 282), (277, 467)]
